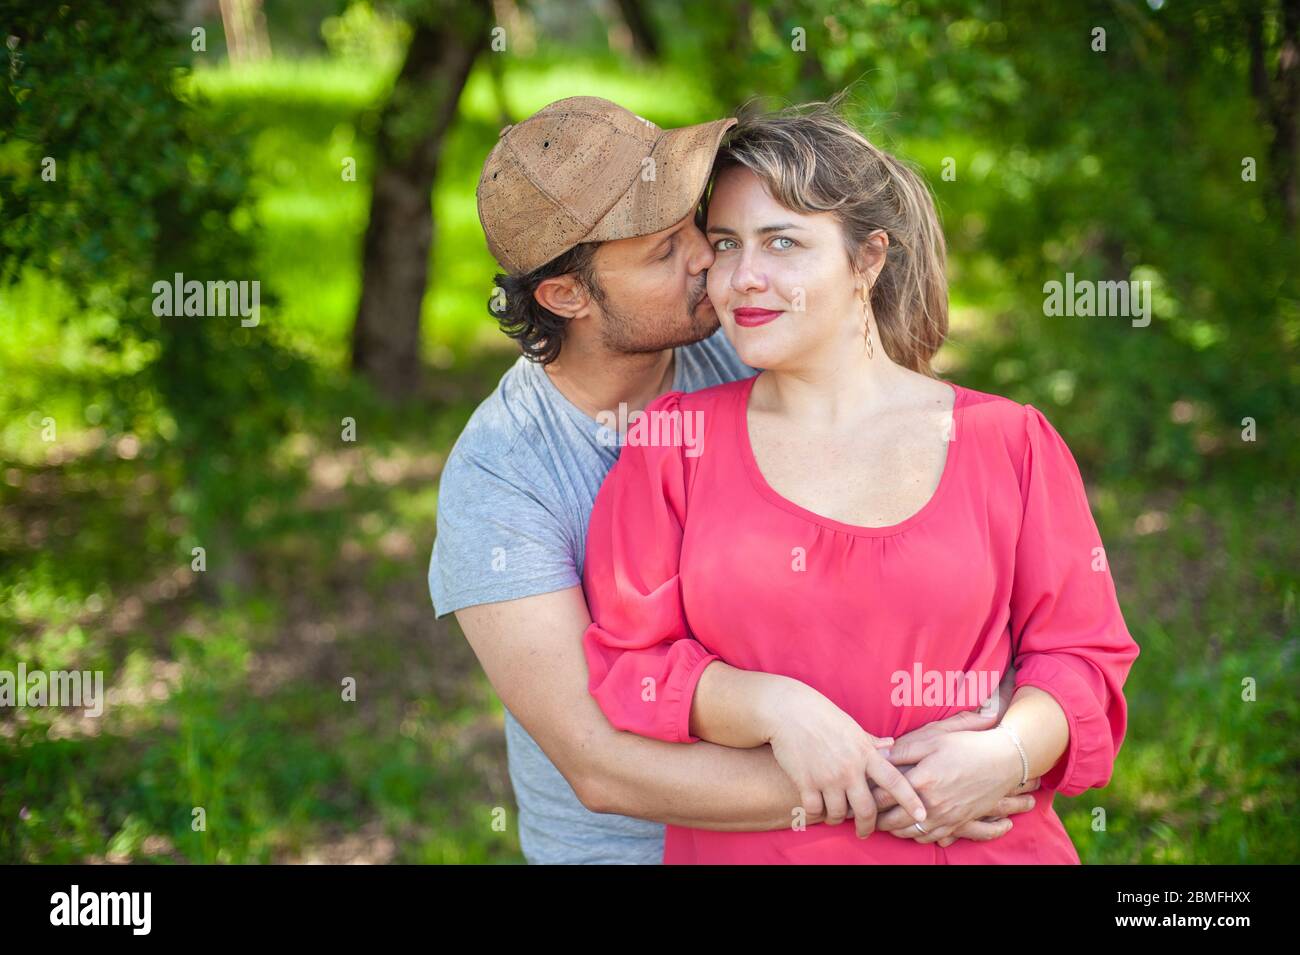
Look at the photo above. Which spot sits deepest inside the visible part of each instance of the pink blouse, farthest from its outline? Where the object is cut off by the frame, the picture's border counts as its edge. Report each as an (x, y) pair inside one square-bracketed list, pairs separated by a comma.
[(692, 557)]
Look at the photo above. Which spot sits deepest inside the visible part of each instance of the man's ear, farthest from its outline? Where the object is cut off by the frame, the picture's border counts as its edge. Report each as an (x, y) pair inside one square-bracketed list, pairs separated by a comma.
[(562, 294)]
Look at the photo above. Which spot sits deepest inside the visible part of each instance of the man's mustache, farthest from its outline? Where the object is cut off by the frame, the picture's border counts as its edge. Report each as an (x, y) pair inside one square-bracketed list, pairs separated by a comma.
[(698, 295)]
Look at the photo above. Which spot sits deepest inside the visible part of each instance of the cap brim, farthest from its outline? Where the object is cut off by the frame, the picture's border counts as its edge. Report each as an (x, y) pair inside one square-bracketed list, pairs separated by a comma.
[(669, 187)]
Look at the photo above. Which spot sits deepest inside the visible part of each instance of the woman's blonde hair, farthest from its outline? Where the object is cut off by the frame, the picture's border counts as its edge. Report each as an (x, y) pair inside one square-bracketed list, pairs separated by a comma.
[(813, 160)]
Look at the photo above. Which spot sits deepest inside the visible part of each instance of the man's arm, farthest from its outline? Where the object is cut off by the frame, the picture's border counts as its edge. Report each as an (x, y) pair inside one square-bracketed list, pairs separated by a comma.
[(531, 651)]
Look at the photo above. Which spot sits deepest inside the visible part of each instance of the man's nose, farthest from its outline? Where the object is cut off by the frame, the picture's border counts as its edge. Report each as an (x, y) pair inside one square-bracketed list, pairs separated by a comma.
[(702, 254)]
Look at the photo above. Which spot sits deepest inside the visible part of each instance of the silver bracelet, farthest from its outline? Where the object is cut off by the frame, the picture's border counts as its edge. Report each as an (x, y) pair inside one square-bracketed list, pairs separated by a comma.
[(1024, 760)]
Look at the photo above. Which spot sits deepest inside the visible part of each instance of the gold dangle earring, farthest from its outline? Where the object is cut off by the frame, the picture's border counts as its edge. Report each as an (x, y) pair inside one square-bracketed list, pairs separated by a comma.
[(866, 310)]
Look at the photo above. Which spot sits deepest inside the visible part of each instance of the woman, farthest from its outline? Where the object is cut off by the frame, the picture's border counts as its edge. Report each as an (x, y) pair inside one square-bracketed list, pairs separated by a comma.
[(851, 548)]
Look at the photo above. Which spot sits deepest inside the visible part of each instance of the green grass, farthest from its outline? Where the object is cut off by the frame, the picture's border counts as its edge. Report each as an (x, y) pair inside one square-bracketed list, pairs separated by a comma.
[(1208, 582), (233, 703)]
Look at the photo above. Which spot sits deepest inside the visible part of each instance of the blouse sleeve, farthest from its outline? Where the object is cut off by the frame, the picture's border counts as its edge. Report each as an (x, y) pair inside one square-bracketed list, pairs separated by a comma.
[(1069, 635), (643, 662)]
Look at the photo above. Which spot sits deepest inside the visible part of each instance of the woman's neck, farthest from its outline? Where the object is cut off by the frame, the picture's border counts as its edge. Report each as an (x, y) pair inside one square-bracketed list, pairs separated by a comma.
[(834, 391)]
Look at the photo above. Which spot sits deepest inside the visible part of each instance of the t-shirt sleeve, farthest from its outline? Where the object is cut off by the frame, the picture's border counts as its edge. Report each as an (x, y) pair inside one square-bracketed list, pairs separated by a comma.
[(1070, 637), (642, 660), (495, 539)]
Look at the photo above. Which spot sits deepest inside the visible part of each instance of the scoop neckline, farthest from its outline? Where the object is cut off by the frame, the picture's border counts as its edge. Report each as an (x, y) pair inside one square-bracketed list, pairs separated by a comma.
[(770, 493)]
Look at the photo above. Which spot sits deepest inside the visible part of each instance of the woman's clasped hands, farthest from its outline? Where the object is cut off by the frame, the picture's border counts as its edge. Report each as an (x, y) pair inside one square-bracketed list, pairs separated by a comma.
[(957, 777)]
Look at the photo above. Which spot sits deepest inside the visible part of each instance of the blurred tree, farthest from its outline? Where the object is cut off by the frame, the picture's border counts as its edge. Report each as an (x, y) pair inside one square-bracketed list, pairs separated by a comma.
[(1278, 96), (1117, 141), (244, 24), (1149, 177), (644, 39), (110, 181), (446, 39)]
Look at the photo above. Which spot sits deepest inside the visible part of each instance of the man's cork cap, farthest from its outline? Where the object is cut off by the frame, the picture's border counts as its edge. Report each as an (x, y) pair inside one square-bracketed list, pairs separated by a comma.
[(584, 169)]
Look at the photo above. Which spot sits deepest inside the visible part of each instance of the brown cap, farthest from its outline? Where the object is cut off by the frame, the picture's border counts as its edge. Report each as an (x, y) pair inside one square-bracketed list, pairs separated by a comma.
[(584, 169)]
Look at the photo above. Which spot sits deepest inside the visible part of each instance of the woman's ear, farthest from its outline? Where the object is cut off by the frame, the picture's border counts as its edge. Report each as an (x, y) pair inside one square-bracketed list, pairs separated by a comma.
[(871, 257)]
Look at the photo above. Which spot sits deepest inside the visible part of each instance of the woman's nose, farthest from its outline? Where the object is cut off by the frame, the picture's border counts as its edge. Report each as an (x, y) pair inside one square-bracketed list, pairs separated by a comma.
[(746, 278)]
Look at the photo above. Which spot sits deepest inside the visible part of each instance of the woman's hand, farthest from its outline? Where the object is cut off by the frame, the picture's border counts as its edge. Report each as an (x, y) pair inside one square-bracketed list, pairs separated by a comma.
[(962, 777), (985, 829), (830, 758), (1014, 801)]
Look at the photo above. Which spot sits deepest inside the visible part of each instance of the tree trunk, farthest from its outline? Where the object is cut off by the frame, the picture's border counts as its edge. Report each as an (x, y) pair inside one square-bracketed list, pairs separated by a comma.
[(1287, 105), (386, 337), (1279, 102), (644, 40), (244, 24)]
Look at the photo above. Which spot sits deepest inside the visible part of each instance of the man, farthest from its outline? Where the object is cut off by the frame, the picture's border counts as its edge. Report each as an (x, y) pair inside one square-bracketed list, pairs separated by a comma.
[(591, 211)]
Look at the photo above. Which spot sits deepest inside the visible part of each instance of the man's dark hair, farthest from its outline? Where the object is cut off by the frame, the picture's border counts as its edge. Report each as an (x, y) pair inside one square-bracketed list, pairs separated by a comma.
[(539, 331)]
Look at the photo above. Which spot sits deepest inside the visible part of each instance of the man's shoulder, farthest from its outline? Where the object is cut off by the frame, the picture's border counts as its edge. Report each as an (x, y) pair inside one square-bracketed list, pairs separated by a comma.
[(498, 430), (497, 508)]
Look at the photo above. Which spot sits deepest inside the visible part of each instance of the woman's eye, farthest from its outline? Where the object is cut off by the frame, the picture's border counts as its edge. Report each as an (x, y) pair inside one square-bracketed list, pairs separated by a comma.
[(718, 246), (785, 238)]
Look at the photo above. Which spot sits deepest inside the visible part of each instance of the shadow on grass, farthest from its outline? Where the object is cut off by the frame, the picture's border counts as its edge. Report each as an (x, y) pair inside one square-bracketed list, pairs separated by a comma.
[(321, 715)]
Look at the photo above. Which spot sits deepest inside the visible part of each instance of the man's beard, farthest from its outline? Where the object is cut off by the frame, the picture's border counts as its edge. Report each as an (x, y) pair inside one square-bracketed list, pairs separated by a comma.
[(635, 335)]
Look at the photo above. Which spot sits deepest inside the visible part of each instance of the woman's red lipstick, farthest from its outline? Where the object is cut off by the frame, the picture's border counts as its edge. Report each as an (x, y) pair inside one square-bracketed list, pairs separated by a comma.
[(751, 317)]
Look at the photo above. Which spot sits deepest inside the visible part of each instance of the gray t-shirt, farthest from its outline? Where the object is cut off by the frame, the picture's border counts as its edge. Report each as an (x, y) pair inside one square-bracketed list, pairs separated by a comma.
[(513, 504)]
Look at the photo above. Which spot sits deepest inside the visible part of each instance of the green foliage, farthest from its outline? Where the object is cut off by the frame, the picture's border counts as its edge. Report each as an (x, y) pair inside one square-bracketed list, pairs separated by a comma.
[(172, 431), (1122, 164), (145, 186)]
